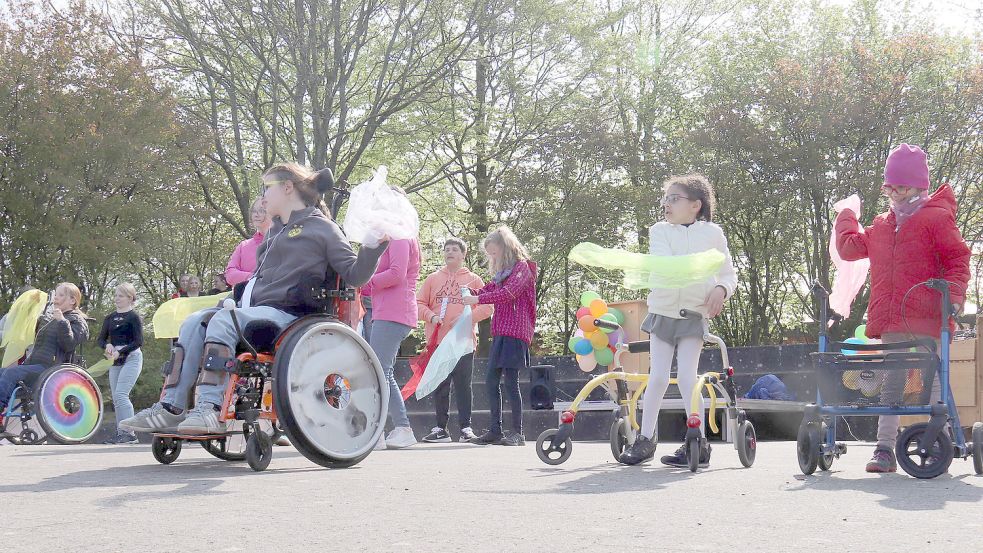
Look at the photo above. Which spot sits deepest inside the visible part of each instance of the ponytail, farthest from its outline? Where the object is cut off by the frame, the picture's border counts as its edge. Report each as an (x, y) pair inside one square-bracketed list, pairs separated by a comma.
[(310, 186)]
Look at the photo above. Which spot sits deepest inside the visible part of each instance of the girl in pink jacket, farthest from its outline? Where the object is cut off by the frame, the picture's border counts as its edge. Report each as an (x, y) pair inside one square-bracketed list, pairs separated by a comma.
[(513, 293), (242, 264)]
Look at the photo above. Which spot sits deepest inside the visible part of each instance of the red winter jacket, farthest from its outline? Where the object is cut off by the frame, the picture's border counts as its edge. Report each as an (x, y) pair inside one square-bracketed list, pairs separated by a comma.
[(928, 245), (515, 302)]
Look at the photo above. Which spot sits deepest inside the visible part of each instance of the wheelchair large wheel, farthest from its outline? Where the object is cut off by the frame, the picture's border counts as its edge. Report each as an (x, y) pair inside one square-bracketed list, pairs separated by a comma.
[(331, 395), (68, 404)]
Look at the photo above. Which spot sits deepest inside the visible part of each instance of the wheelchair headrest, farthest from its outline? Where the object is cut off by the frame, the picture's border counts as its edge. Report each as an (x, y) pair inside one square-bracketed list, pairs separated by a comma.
[(261, 334)]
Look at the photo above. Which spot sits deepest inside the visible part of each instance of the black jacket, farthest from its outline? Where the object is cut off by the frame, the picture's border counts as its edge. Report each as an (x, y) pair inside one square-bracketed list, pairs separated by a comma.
[(56, 340)]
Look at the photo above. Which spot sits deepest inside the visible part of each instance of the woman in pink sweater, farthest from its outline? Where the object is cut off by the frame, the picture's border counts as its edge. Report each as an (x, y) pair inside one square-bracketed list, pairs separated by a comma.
[(513, 293), (394, 316), (242, 264)]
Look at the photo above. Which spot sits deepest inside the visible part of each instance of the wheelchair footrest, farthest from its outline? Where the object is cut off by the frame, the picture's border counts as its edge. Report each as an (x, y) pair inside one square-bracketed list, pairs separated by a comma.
[(196, 437)]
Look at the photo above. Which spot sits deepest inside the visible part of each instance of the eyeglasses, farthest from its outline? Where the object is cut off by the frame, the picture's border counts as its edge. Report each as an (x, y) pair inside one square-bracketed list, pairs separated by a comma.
[(890, 189), (673, 198), (271, 183)]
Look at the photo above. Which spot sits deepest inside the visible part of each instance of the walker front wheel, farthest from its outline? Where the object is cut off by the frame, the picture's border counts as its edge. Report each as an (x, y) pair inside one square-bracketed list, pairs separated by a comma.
[(928, 462), (825, 459), (550, 452)]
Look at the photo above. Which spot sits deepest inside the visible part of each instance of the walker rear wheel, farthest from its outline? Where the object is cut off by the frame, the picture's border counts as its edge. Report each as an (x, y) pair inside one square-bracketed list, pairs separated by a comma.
[(978, 447), (747, 443), (807, 447), (618, 438)]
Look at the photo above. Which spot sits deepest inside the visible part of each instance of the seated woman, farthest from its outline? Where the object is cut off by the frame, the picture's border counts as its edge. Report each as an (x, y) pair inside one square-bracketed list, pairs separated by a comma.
[(59, 332), (301, 247)]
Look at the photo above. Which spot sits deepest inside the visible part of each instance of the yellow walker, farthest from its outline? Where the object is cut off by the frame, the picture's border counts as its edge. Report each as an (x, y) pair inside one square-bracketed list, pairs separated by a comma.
[(554, 445)]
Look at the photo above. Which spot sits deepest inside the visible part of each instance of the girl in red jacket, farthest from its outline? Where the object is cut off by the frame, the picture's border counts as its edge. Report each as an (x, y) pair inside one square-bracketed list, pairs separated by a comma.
[(513, 293), (915, 240)]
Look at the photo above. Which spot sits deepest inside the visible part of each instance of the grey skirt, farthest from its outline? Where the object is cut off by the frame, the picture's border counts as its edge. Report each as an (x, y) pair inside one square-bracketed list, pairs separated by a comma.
[(670, 330)]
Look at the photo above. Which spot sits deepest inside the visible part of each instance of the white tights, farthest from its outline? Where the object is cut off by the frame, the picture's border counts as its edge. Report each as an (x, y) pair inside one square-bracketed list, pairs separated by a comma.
[(687, 351)]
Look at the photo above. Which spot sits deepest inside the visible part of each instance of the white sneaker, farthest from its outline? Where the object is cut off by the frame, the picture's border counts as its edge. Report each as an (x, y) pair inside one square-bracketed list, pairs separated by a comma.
[(400, 437), (467, 434), (381, 444), (203, 419)]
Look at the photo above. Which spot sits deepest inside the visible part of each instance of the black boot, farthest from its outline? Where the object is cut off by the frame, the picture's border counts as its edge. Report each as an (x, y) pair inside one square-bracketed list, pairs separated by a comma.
[(642, 450)]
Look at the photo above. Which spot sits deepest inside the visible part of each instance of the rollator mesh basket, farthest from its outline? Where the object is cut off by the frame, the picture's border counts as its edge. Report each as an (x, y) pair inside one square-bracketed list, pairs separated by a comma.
[(894, 376)]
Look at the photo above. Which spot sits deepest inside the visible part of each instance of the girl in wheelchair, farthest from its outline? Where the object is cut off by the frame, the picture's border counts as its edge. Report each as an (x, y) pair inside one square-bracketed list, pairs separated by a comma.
[(60, 330), (303, 244)]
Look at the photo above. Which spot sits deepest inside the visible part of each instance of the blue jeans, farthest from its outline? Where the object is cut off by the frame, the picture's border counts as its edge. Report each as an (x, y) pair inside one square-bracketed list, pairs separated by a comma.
[(386, 337), (122, 378), (11, 375), (193, 338)]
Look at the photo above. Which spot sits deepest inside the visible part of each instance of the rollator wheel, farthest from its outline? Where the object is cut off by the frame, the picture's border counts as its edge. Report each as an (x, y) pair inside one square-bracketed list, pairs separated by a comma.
[(552, 453), (618, 438), (331, 396), (747, 443), (69, 404), (807, 447), (931, 462), (978, 447), (259, 451), (166, 450), (693, 453), (825, 459)]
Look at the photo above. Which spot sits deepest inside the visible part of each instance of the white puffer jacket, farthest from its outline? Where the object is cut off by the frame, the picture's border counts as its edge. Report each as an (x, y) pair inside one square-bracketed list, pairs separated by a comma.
[(668, 239)]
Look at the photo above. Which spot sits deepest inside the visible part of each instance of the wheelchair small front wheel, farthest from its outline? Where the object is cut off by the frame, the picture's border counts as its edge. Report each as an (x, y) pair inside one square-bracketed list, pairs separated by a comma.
[(259, 451), (549, 451), (978, 447), (165, 450), (930, 462)]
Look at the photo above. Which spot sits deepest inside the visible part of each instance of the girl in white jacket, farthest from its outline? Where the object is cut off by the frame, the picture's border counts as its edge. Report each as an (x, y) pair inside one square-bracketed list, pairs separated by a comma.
[(688, 204)]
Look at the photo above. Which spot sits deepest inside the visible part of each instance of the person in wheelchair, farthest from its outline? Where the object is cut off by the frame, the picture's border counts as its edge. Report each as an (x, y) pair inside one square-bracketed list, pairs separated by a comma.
[(60, 330), (303, 246)]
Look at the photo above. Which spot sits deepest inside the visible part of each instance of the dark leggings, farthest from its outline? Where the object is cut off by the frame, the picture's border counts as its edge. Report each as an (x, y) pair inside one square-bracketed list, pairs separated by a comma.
[(495, 398), (462, 393)]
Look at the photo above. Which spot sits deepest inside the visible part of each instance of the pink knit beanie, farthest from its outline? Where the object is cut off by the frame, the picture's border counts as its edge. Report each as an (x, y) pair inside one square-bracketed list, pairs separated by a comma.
[(906, 166)]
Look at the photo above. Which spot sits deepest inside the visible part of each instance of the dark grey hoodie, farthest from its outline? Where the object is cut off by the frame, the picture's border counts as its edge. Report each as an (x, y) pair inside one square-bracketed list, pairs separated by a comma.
[(295, 255)]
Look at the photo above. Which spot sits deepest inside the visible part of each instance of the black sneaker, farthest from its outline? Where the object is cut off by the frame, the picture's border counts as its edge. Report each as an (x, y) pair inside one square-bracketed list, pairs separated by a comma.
[(681, 459), (125, 438), (112, 440), (437, 436), (642, 450), (488, 438), (513, 439)]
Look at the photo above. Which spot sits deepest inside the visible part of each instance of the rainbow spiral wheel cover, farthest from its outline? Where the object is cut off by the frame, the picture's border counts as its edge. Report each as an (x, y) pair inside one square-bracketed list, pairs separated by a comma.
[(69, 404)]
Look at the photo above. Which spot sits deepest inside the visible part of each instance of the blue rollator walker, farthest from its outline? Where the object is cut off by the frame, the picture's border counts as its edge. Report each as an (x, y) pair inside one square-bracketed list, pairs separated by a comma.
[(923, 450)]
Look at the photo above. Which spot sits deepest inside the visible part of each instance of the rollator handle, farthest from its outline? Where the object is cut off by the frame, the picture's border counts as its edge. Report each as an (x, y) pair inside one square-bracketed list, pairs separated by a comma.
[(601, 323), (690, 314)]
